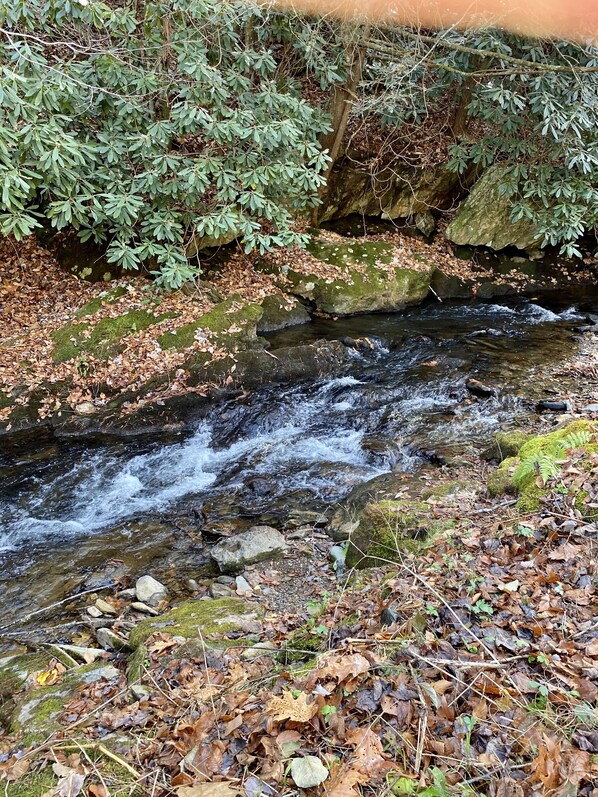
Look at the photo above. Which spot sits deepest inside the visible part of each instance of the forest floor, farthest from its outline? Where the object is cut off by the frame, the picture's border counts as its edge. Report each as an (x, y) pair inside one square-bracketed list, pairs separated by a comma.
[(469, 668)]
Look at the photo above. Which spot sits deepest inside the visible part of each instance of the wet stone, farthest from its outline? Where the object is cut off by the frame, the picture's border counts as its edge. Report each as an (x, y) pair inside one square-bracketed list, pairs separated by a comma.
[(150, 591), (109, 640), (256, 545)]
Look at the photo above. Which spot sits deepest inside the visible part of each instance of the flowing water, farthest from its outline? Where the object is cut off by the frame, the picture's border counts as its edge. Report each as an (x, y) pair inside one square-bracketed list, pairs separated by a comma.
[(69, 506)]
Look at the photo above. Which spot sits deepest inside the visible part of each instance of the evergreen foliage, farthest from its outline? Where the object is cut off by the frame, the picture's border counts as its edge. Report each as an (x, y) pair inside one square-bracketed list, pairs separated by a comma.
[(145, 124)]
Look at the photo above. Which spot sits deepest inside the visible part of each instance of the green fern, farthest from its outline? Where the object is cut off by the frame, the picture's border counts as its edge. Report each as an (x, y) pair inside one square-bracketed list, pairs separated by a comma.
[(577, 439), (548, 467)]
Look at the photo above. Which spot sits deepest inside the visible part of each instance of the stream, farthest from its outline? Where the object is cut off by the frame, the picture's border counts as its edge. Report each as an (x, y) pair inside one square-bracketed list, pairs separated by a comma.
[(75, 514)]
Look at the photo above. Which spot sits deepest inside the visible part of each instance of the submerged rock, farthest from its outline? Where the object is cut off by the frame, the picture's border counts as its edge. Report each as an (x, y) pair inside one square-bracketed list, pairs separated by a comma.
[(484, 218), (256, 545), (480, 389)]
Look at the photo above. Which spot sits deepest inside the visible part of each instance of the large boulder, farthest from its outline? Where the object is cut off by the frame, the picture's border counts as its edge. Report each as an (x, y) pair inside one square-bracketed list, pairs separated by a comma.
[(395, 192), (280, 312), (387, 529), (364, 284), (259, 543), (484, 218)]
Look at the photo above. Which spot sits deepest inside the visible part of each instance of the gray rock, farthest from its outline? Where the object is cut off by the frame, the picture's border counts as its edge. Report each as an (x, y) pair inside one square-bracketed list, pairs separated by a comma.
[(217, 590), (227, 580), (480, 389), (93, 611), (140, 692), (127, 593), (591, 408), (243, 585), (341, 530), (256, 545), (193, 585), (258, 650), (105, 607), (109, 640), (144, 608), (150, 591), (425, 223)]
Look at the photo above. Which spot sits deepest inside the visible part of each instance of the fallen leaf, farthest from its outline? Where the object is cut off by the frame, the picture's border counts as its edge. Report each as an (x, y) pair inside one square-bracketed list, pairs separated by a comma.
[(308, 771), (287, 707)]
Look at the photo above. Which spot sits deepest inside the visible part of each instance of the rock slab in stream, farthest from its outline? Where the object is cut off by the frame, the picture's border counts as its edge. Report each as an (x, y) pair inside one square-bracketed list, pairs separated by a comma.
[(256, 545)]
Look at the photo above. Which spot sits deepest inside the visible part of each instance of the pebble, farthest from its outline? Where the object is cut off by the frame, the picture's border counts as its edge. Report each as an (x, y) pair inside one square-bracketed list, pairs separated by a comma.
[(217, 590), (243, 585), (143, 607), (140, 692), (228, 580), (150, 591), (109, 640), (105, 607), (93, 611), (127, 593), (193, 585), (591, 408)]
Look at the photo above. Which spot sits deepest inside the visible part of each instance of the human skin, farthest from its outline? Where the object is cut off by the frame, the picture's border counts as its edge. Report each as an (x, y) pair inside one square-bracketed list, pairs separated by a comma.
[(569, 19)]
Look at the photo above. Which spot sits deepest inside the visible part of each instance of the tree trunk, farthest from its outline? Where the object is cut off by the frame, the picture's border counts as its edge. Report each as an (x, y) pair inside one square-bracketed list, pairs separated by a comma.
[(342, 99)]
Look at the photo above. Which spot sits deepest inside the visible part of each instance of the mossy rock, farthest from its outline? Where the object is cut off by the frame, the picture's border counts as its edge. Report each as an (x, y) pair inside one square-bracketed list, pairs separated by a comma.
[(484, 218), (209, 620), (451, 489), (228, 323), (519, 475), (507, 444), (102, 339), (279, 312), (388, 529), (37, 712), (96, 304), (366, 290)]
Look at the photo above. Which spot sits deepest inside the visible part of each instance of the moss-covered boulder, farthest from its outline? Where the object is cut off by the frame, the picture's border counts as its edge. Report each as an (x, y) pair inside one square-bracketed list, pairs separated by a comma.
[(507, 444), (36, 711), (365, 286), (102, 339), (484, 218), (209, 620), (398, 191), (388, 529), (229, 323), (540, 456), (280, 312)]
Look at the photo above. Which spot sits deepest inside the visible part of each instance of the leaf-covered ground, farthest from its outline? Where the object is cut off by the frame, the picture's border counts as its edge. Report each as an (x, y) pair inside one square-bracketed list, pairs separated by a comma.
[(81, 344), (469, 669)]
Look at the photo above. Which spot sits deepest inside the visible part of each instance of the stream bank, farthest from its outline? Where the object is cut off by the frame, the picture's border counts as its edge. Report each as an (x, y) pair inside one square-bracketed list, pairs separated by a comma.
[(81, 357)]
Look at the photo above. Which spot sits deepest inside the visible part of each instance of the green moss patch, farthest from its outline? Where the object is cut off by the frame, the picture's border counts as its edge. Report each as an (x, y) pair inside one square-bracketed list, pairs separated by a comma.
[(101, 339), (228, 321), (518, 475), (106, 297), (387, 529), (195, 619), (366, 253)]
